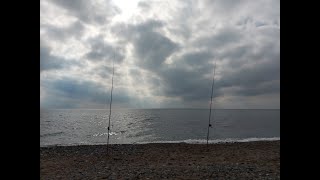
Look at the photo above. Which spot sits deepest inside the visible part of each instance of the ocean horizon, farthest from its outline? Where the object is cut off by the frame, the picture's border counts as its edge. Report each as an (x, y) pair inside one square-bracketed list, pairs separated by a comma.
[(137, 126)]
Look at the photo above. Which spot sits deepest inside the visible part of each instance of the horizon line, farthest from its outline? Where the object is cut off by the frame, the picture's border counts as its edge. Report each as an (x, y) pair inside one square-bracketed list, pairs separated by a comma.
[(164, 108)]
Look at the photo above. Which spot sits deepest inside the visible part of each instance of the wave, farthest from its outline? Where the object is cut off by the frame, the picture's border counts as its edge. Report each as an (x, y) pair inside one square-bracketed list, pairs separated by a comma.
[(51, 134), (188, 141), (215, 141)]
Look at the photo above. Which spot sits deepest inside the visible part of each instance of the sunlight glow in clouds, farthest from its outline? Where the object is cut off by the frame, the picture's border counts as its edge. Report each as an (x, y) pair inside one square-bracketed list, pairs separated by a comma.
[(128, 9), (164, 53)]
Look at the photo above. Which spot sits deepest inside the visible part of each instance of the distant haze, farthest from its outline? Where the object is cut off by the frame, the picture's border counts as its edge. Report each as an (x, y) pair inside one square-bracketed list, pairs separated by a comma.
[(163, 53)]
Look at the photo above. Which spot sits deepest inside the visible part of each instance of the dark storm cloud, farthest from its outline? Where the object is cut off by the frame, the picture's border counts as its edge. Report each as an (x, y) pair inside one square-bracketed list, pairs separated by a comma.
[(165, 57), (186, 78), (188, 85), (193, 85), (223, 37), (237, 56), (260, 24), (182, 16), (103, 71), (51, 62), (89, 11), (151, 47), (102, 51), (251, 76), (245, 52), (258, 89), (76, 89), (249, 68), (71, 93), (197, 59), (225, 6), (75, 29), (144, 5), (47, 61)]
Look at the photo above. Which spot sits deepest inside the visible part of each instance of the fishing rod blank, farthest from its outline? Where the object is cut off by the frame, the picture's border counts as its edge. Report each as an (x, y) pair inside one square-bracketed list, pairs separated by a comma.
[(209, 125), (110, 104)]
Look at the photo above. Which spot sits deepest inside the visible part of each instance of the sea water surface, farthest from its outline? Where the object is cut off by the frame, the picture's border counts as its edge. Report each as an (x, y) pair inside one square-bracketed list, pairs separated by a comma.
[(89, 126)]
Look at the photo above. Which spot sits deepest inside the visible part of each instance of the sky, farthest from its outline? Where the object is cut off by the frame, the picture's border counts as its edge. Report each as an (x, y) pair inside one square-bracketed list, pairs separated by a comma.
[(163, 53)]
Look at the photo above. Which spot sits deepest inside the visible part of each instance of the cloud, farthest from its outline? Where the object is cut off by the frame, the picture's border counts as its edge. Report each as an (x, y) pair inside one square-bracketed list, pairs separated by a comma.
[(186, 78), (74, 93), (96, 12), (102, 51), (48, 61), (222, 38), (250, 76), (164, 53), (73, 30), (151, 47)]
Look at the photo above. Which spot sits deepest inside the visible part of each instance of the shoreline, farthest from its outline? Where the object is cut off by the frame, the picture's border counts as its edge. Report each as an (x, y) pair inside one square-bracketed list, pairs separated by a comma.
[(187, 141), (236, 160)]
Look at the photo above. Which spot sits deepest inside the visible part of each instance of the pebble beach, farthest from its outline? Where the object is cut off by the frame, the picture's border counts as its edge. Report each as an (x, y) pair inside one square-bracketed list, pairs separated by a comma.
[(239, 160)]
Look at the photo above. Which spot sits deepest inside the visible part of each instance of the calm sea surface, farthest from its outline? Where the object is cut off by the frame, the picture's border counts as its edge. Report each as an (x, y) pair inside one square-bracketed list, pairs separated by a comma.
[(85, 126)]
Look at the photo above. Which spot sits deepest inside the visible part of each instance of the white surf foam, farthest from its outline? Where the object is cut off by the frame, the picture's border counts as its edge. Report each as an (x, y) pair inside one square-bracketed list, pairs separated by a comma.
[(188, 141), (215, 141)]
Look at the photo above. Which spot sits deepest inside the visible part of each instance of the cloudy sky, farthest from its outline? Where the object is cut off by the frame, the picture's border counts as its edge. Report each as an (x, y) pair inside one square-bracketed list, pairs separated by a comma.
[(163, 53)]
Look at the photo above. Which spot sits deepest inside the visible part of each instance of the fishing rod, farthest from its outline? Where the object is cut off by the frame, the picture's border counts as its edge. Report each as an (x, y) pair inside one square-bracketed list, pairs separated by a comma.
[(209, 125), (110, 103)]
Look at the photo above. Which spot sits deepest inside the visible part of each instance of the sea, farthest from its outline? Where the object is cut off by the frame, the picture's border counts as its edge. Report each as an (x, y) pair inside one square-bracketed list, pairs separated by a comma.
[(67, 127)]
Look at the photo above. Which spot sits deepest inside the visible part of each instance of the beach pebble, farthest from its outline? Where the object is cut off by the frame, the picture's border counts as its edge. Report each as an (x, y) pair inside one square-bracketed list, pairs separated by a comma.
[(162, 161)]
